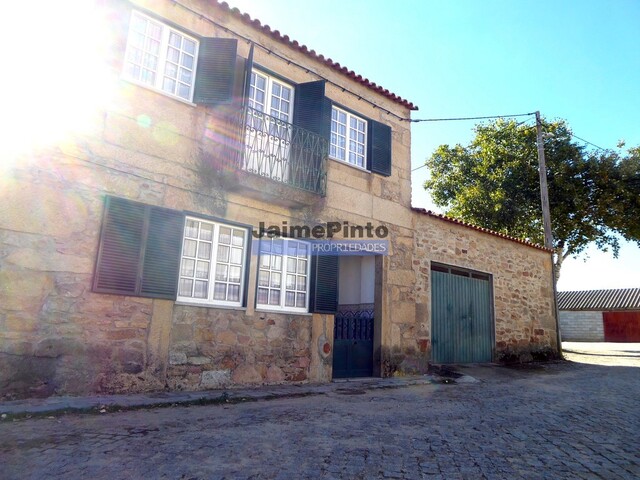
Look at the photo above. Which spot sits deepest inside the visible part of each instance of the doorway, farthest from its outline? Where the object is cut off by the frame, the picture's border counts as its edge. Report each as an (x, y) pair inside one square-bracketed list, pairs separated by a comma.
[(461, 315), (355, 320)]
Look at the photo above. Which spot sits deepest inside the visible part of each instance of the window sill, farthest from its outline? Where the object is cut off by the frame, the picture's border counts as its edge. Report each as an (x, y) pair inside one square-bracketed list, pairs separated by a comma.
[(209, 305), (157, 90), (283, 312), (342, 162)]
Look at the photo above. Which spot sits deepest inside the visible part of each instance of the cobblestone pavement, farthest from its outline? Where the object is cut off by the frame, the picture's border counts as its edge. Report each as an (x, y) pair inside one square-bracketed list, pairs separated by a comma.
[(567, 420)]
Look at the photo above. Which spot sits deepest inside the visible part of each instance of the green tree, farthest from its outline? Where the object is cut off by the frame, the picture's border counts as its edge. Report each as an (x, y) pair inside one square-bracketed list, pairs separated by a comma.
[(594, 196)]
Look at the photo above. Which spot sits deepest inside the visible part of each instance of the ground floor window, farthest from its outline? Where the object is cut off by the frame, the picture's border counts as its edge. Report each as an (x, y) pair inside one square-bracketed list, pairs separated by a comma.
[(156, 252), (212, 263), (283, 277)]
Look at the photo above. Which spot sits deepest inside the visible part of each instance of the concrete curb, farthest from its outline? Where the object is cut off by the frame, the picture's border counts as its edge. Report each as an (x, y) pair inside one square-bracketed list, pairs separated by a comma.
[(109, 403)]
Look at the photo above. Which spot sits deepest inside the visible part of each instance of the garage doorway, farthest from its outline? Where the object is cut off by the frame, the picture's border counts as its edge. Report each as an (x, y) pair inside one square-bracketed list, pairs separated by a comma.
[(621, 326), (462, 327)]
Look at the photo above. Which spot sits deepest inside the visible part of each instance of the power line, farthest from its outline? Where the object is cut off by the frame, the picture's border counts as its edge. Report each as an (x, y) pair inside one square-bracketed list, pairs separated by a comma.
[(525, 121), (586, 141), (226, 28), (469, 118), (502, 116)]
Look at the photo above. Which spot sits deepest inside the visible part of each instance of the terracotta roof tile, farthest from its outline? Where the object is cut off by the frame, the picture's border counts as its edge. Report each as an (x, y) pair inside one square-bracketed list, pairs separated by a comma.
[(480, 229), (312, 53)]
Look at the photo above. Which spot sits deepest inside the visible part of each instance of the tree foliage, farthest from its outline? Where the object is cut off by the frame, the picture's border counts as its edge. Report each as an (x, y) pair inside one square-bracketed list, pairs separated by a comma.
[(594, 196)]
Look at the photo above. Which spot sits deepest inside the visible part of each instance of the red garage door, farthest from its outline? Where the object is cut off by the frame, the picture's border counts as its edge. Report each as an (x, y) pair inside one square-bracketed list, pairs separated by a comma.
[(621, 326)]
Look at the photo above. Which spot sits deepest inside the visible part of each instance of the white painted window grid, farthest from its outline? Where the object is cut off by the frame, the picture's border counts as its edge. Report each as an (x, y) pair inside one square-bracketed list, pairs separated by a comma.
[(348, 138), (270, 95), (268, 141), (212, 265), (283, 275), (160, 57)]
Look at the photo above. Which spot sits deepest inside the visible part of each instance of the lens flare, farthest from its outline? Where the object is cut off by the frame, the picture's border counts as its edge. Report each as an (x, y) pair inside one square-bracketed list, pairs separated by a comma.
[(61, 80)]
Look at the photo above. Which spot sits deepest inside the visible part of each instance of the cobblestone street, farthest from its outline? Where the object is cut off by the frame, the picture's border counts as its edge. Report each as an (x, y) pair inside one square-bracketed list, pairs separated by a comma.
[(572, 420)]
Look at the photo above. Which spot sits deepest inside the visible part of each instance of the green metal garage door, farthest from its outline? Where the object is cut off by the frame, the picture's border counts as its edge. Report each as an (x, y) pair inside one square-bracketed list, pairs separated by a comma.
[(461, 318)]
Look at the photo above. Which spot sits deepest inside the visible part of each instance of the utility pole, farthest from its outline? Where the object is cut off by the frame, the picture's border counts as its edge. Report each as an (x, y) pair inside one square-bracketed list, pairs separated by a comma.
[(546, 221), (544, 193)]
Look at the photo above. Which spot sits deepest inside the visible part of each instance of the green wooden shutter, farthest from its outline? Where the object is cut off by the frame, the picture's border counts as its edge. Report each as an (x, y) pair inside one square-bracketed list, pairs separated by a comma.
[(139, 252), (324, 284), (215, 72), (120, 247), (312, 110), (246, 80), (162, 253), (247, 260), (379, 148)]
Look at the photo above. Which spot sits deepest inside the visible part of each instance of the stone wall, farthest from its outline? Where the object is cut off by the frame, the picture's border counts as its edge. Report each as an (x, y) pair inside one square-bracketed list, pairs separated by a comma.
[(57, 336), (234, 348), (521, 278), (576, 326)]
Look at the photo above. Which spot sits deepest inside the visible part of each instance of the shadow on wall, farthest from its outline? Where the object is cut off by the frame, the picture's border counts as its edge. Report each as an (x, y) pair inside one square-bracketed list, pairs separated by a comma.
[(64, 366)]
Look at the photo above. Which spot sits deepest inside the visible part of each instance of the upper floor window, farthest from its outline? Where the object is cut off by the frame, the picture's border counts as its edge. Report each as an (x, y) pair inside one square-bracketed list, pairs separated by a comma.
[(269, 131), (213, 263), (160, 57), (271, 96), (348, 137)]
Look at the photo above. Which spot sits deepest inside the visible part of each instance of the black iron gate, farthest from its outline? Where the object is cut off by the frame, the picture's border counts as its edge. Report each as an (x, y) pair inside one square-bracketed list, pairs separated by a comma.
[(353, 343)]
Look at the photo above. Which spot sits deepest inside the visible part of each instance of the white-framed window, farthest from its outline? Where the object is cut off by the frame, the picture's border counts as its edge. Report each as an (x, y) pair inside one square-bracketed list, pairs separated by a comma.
[(269, 129), (348, 138), (271, 95), (283, 275), (160, 57), (213, 263)]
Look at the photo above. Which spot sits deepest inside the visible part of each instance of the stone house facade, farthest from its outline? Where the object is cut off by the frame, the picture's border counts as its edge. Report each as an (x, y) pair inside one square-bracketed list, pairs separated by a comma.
[(519, 274), (130, 259)]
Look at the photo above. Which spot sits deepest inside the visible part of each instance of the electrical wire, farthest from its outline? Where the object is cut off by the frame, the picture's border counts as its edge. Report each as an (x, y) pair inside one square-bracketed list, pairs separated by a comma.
[(308, 70), (517, 125), (473, 118), (587, 142), (469, 118), (289, 61)]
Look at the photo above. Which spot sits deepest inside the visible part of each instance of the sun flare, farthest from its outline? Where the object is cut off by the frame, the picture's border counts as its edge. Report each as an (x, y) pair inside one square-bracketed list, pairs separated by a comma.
[(61, 80)]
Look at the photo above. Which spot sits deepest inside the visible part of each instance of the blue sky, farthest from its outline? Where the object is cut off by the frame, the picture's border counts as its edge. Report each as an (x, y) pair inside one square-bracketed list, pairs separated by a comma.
[(574, 60)]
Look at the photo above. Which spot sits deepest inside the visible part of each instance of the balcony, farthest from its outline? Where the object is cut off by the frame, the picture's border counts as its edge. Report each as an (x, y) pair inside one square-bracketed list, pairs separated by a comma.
[(272, 160)]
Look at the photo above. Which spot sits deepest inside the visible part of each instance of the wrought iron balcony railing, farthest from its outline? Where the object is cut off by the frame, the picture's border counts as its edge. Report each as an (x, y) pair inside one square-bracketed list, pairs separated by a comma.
[(280, 151)]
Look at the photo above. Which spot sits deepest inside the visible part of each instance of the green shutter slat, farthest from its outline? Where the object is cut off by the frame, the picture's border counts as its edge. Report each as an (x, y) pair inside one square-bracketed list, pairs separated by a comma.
[(245, 280), (379, 148), (120, 247), (162, 253), (312, 110), (246, 80), (461, 318), (215, 72), (324, 284)]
